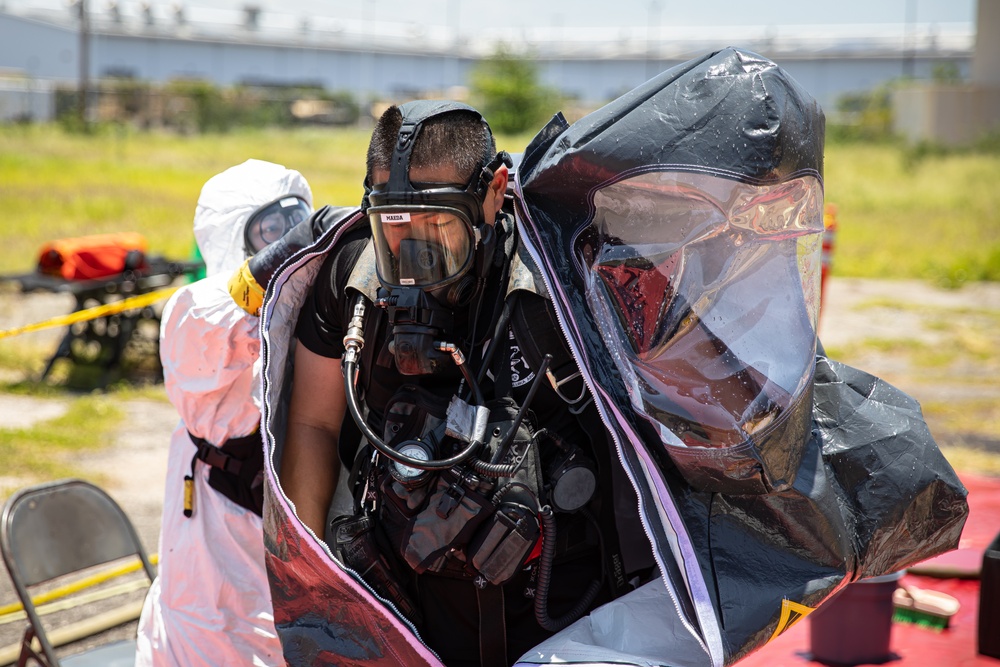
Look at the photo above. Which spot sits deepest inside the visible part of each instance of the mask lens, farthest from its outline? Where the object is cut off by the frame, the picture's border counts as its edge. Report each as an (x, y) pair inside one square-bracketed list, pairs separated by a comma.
[(421, 247), (271, 222)]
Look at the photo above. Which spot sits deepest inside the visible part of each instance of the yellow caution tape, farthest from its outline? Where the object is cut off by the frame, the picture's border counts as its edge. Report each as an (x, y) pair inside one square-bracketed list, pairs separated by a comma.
[(78, 601), (140, 301), (79, 585)]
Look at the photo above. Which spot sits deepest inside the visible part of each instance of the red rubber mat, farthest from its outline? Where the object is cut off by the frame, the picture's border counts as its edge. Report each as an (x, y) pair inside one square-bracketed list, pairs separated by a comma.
[(911, 645)]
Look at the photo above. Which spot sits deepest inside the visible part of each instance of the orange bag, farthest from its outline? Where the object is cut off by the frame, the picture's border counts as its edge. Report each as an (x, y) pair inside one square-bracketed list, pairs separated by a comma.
[(91, 257)]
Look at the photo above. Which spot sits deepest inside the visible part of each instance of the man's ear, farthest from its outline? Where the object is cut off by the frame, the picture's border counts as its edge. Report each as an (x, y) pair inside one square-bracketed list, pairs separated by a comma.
[(497, 190)]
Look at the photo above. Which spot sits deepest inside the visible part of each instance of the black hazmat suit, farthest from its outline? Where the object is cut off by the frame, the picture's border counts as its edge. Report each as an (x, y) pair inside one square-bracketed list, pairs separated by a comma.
[(676, 236)]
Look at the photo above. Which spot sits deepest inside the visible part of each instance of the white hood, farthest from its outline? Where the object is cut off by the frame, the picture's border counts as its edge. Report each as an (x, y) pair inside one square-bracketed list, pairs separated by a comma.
[(228, 199)]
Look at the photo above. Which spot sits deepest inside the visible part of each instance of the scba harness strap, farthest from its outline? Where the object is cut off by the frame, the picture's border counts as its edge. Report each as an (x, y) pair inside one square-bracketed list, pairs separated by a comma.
[(237, 471)]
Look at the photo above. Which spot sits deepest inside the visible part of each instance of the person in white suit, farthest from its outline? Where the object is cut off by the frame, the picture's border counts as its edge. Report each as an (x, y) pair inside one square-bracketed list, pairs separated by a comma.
[(210, 603)]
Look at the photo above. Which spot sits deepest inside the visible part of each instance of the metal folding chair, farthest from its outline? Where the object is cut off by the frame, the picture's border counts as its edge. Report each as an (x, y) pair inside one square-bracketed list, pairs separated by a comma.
[(53, 530)]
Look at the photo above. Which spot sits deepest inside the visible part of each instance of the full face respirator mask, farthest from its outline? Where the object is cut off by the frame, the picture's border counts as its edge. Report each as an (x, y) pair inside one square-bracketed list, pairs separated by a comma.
[(272, 221), (433, 247)]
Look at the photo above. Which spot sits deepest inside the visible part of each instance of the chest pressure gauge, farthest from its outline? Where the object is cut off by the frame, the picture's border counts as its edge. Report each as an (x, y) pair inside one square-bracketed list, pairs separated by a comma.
[(408, 476)]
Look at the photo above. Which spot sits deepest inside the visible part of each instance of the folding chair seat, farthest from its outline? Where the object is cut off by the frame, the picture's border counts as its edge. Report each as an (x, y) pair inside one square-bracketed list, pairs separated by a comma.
[(71, 527)]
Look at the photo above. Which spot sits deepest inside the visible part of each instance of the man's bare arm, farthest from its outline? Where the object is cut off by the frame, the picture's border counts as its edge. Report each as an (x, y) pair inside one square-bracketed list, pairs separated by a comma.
[(310, 464)]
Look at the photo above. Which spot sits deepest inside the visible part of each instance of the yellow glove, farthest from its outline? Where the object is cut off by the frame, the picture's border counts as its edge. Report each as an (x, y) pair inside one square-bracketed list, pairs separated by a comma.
[(245, 291)]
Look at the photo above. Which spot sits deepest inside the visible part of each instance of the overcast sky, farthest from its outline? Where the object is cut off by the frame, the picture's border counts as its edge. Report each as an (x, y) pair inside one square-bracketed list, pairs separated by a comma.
[(467, 15)]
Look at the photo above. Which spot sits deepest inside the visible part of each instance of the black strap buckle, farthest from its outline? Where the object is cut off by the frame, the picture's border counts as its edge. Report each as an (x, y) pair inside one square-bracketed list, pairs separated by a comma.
[(450, 500)]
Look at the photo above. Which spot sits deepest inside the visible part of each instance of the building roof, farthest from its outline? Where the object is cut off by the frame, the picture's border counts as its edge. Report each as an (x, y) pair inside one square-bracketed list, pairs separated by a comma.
[(543, 42)]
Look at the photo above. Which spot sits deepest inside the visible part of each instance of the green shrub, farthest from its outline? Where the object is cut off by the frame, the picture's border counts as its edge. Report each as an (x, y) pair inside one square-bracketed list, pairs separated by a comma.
[(863, 117), (506, 90)]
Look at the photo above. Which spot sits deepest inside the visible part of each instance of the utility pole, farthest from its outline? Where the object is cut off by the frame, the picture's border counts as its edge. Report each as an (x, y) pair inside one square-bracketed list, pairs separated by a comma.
[(84, 62), (908, 39), (455, 42), (652, 38)]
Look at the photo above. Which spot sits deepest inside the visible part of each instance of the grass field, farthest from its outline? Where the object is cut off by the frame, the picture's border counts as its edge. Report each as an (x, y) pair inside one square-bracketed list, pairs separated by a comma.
[(54, 184), (935, 219)]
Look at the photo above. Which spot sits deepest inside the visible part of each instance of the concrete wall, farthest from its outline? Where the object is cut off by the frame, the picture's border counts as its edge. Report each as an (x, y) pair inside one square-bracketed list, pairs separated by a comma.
[(38, 50), (226, 63), (22, 99), (953, 115), (826, 79), (956, 115)]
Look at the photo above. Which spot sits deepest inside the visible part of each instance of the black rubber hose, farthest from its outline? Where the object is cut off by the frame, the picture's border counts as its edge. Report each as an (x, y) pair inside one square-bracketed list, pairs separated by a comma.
[(494, 469), (477, 392), (498, 337), (509, 438), (350, 368), (545, 580)]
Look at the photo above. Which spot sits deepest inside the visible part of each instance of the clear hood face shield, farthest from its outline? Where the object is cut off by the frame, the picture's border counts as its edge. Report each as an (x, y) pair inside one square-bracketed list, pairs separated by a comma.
[(421, 246), (272, 221), (706, 291)]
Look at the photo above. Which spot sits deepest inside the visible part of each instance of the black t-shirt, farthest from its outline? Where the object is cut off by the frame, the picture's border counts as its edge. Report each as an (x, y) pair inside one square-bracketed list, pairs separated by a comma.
[(322, 321)]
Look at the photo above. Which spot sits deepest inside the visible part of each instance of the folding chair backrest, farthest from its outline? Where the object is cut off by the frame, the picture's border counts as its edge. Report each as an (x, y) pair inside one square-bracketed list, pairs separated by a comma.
[(54, 529)]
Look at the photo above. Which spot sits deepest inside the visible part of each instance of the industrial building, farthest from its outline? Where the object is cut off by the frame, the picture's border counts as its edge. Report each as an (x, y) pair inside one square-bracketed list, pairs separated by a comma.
[(42, 50)]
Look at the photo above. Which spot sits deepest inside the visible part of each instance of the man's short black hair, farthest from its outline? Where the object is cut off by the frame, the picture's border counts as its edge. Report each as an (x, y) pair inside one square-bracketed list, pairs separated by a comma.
[(457, 137)]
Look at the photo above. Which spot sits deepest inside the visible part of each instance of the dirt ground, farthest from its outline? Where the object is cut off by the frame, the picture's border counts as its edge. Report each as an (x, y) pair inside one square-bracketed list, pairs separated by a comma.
[(132, 467), (876, 325)]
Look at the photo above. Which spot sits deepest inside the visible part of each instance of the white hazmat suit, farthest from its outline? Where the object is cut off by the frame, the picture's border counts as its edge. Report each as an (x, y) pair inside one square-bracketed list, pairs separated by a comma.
[(210, 603)]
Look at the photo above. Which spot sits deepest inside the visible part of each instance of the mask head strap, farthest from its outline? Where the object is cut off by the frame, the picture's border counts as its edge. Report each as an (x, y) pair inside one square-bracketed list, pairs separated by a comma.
[(487, 173), (415, 114)]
